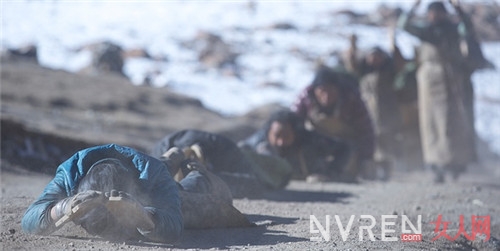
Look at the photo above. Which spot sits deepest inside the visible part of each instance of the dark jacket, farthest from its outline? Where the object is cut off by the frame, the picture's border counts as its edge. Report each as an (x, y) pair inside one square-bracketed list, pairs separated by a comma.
[(222, 157), (350, 110), (445, 92), (311, 153), (221, 153)]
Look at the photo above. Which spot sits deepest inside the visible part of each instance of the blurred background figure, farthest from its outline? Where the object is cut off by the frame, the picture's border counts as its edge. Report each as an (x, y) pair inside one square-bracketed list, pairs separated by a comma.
[(446, 59), (332, 105), (312, 156), (376, 71)]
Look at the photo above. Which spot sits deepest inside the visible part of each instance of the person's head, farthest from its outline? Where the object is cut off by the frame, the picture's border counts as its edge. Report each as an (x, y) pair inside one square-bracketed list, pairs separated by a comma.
[(376, 57), (436, 12), (280, 135), (283, 129), (106, 175), (326, 87)]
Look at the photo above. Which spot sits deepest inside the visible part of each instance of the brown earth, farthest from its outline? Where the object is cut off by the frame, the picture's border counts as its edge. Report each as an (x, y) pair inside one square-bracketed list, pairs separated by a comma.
[(47, 115)]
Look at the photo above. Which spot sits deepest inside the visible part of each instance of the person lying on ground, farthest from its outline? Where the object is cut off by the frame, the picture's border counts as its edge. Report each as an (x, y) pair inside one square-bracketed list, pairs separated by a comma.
[(222, 157), (111, 191), (313, 156)]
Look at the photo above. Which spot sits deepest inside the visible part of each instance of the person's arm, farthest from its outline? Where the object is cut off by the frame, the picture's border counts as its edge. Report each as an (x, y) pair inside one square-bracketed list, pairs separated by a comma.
[(302, 103), (406, 23), (398, 60), (37, 218), (466, 28), (339, 150), (56, 199), (362, 124), (352, 64)]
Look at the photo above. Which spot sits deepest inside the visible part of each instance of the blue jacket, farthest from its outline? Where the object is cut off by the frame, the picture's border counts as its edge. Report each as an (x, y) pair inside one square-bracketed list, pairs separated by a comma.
[(154, 179)]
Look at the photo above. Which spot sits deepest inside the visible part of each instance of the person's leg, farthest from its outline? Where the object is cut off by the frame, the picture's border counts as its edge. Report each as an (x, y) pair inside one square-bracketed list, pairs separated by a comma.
[(352, 169), (457, 170), (242, 184), (196, 182), (438, 173)]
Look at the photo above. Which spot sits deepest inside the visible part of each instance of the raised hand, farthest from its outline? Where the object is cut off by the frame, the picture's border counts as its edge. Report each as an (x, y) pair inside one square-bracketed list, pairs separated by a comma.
[(455, 3), (353, 39), (392, 37)]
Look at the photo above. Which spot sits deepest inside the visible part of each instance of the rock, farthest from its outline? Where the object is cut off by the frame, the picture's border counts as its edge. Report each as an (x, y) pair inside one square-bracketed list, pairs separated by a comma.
[(107, 57), (478, 202), (213, 52), (274, 84), (283, 26), (27, 53)]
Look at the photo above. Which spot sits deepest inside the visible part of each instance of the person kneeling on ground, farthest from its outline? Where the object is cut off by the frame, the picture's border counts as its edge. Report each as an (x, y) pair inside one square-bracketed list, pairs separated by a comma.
[(111, 191), (313, 157)]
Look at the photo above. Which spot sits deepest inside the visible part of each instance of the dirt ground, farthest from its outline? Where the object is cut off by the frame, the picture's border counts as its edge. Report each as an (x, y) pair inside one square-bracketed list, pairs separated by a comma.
[(47, 115)]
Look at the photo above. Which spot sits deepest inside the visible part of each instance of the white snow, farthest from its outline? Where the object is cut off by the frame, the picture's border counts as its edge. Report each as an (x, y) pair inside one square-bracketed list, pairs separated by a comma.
[(59, 28)]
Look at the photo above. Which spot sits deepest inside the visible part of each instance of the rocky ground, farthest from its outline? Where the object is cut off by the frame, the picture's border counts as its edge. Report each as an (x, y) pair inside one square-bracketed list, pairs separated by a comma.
[(47, 115)]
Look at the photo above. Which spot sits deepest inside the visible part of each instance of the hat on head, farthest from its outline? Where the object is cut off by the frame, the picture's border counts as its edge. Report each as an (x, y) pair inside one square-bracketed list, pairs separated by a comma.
[(325, 76), (436, 6)]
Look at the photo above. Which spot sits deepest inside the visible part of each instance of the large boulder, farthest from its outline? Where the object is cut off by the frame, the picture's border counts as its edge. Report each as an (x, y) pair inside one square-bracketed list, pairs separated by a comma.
[(212, 50), (26, 53), (107, 57)]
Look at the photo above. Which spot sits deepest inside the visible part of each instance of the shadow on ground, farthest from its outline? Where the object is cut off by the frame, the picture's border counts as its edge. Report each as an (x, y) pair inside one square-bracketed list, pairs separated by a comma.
[(219, 238), (307, 196), (254, 236), (119, 242)]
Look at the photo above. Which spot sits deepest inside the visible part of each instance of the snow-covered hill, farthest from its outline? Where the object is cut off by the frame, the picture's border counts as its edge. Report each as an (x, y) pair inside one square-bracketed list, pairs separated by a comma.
[(273, 64)]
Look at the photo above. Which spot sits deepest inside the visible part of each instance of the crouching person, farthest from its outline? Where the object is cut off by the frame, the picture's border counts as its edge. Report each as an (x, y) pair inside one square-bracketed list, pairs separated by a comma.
[(111, 191), (312, 156)]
